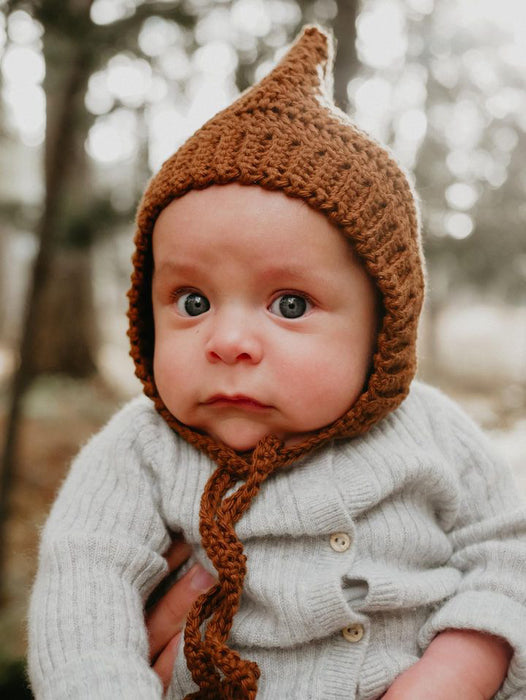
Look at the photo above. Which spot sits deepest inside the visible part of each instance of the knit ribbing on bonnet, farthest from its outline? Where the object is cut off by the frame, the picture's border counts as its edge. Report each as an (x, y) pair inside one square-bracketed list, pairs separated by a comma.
[(284, 134)]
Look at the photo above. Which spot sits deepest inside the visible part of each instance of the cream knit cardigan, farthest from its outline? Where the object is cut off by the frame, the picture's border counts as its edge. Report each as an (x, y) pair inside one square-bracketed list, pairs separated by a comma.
[(437, 535)]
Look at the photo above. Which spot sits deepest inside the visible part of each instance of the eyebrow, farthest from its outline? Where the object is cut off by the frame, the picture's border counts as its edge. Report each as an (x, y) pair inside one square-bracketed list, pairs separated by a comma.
[(294, 272), (171, 266)]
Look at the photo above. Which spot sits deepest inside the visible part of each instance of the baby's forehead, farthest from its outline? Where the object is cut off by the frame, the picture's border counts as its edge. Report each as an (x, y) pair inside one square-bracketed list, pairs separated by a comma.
[(225, 216), (254, 204), (269, 202)]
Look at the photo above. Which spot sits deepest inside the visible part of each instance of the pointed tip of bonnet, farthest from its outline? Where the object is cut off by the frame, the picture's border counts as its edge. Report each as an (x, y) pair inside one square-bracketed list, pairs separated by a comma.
[(321, 44), (316, 39), (305, 68)]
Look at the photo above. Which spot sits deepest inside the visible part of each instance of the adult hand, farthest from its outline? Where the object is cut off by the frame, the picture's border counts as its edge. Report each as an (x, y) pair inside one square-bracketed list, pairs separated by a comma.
[(165, 619)]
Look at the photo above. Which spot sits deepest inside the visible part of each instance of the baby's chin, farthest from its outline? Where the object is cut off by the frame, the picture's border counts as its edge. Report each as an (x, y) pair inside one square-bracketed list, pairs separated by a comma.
[(239, 441), (242, 435), (245, 441)]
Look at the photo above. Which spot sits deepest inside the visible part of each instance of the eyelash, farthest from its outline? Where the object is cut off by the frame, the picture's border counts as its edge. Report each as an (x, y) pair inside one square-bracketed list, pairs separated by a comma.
[(176, 294), (292, 293)]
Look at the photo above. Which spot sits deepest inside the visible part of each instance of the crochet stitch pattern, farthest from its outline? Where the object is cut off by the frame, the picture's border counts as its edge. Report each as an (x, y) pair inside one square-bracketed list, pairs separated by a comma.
[(283, 134)]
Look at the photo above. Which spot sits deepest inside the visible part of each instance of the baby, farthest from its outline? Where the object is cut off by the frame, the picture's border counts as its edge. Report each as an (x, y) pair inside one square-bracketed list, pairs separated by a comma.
[(379, 548)]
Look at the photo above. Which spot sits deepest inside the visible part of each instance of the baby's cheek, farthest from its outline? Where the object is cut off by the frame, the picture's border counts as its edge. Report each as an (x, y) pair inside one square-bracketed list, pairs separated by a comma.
[(324, 385), (171, 370)]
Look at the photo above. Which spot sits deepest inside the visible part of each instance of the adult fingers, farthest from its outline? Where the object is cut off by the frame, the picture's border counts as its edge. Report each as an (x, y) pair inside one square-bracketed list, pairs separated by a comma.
[(164, 664), (177, 553), (166, 618)]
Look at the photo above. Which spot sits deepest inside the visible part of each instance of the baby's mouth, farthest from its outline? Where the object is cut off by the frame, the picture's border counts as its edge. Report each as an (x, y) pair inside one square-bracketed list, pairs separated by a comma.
[(236, 401)]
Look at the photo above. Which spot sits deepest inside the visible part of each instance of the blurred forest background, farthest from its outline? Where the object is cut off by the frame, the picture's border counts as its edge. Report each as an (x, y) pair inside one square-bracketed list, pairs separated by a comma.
[(95, 94)]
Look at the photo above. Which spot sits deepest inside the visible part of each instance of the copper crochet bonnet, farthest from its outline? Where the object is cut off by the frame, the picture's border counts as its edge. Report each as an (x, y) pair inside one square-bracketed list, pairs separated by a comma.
[(284, 134)]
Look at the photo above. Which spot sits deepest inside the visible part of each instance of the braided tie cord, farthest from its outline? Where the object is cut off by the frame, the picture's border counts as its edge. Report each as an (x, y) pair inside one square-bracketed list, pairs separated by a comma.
[(219, 671)]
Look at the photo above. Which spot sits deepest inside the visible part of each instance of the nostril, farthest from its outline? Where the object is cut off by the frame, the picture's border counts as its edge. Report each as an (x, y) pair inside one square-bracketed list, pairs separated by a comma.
[(244, 356)]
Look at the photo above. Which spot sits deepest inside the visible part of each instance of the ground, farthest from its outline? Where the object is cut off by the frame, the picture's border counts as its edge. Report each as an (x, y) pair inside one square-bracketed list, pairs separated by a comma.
[(60, 416)]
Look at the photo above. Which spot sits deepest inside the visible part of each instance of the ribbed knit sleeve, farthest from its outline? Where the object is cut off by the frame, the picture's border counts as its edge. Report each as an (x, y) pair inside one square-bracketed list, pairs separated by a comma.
[(488, 540), (100, 558)]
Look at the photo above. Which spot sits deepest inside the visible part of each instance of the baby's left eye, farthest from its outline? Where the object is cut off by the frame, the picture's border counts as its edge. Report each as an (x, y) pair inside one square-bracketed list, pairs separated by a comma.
[(290, 306)]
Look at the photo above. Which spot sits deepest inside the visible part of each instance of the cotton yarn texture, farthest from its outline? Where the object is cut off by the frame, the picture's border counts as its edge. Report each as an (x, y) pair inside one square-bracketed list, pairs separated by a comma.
[(284, 134)]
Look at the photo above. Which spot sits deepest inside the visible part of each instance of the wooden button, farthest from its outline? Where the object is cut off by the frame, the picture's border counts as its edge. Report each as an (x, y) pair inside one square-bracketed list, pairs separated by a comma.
[(353, 633), (340, 541)]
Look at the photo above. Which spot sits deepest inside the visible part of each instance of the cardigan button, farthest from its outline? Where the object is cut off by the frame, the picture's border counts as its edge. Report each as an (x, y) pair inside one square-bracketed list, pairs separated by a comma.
[(340, 541), (353, 633)]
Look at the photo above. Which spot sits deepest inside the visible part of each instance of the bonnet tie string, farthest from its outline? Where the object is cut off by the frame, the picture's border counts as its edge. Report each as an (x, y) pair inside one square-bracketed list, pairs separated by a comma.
[(219, 671)]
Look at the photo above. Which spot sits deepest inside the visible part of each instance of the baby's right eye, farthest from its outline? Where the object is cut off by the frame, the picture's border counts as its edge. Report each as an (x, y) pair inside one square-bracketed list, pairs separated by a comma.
[(192, 304)]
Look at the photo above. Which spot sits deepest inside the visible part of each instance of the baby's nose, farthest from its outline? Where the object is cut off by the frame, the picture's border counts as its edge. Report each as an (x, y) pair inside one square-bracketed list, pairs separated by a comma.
[(234, 340)]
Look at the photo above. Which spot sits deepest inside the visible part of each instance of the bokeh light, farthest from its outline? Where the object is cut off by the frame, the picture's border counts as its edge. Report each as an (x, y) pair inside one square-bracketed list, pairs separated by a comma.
[(459, 225), (23, 71), (461, 195), (113, 138), (109, 11), (381, 35)]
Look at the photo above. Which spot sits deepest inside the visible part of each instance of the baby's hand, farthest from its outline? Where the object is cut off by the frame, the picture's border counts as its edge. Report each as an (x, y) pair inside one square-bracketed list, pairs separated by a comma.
[(457, 664), (420, 682)]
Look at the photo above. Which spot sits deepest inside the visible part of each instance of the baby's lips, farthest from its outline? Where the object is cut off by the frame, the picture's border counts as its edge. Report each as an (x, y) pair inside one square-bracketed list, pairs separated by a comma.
[(236, 400)]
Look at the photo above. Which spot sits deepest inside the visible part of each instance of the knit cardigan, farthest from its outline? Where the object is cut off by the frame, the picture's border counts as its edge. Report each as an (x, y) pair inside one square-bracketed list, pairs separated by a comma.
[(432, 535)]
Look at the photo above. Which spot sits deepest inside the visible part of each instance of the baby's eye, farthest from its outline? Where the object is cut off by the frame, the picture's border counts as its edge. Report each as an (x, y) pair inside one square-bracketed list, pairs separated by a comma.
[(290, 306), (192, 304)]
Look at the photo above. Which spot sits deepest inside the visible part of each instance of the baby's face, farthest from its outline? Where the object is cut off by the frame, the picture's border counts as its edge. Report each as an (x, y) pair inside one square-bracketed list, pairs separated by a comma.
[(264, 320)]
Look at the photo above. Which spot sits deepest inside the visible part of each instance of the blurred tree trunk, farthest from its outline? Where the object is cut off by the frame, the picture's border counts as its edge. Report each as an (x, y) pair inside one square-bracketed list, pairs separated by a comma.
[(67, 75), (3, 314), (64, 338), (346, 64), (65, 335), (4, 148)]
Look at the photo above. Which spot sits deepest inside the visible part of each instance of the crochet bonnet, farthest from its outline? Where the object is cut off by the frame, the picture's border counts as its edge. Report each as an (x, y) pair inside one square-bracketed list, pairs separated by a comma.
[(283, 134)]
